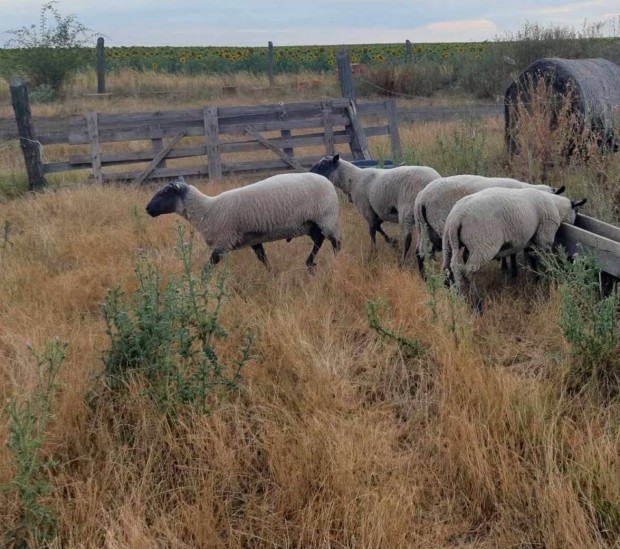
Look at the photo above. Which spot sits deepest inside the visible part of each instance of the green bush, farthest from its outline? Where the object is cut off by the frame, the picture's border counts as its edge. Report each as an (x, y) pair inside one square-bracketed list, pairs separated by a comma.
[(168, 333), (589, 319), (27, 426), (49, 53)]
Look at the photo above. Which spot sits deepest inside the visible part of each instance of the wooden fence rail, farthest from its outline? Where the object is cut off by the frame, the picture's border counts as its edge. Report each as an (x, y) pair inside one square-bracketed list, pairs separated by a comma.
[(222, 131)]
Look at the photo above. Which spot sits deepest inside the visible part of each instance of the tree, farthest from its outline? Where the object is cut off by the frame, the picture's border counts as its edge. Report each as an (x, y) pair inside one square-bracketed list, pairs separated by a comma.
[(49, 53)]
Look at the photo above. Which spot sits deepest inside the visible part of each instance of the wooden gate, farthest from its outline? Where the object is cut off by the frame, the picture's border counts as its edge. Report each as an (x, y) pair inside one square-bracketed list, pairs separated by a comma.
[(217, 134)]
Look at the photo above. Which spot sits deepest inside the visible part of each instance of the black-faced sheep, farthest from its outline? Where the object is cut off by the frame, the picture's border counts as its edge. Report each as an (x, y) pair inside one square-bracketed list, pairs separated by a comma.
[(497, 222), (284, 206), (379, 195), (434, 202)]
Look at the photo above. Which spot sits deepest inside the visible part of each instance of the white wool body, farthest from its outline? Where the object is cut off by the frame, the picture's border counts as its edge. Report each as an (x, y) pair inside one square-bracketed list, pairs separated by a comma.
[(435, 201), (497, 222), (283, 206), (384, 194)]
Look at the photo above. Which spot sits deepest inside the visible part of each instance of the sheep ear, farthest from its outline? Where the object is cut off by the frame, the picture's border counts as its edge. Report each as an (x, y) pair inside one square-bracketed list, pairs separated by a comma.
[(177, 186), (560, 190), (577, 204), (336, 158)]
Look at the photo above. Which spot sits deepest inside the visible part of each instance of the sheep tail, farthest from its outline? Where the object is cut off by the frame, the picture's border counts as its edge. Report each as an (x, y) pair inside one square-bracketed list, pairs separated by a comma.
[(451, 246)]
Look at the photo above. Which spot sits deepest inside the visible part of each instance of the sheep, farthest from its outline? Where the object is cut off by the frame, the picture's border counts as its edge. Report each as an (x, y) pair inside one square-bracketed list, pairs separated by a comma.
[(434, 202), (496, 222), (379, 195), (283, 206)]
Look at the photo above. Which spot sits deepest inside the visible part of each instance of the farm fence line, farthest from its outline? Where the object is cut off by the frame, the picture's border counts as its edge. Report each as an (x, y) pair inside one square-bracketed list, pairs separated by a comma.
[(218, 133)]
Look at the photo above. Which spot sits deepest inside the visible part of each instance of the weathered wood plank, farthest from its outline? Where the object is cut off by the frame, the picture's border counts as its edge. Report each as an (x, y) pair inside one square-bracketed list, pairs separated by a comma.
[(184, 115), (100, 65), (371, 107), (157, 145), (212, 140), (344, 73), (328, 126), (95, 145), (52, 130), (271, 61), (158, 158), (359, 145), (29, 144), (227, 167), (285, 125), (373, 131), (392, 116), (58, 167), (142, 133), (76, 161), (598, 227), (286, 136), (264, 141), (577, 240)]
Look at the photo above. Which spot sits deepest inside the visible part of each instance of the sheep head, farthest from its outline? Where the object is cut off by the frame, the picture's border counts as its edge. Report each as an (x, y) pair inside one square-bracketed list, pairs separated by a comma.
[(168, 199), (326, 166)]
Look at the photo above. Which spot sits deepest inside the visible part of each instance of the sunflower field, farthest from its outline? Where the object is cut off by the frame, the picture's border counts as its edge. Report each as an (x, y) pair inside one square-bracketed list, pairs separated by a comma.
[(226, 60)]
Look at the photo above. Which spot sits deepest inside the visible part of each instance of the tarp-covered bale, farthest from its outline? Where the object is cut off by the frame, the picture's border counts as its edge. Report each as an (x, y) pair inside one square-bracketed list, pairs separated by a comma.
[(591, 85)]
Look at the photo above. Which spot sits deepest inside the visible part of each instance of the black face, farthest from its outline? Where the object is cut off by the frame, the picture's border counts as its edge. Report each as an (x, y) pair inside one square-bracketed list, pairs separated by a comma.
[(326, 166), (166, 199)]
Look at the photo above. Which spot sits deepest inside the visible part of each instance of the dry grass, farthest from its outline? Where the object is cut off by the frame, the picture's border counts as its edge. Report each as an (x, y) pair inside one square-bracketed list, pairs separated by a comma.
[(337, 438)]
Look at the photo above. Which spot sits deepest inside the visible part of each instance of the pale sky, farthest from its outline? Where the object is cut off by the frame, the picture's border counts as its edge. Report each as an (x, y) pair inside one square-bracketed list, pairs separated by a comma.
[(294, 22)]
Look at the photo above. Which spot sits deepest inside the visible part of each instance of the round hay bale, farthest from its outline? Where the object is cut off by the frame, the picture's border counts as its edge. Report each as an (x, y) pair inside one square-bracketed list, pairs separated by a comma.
[(591, 85)]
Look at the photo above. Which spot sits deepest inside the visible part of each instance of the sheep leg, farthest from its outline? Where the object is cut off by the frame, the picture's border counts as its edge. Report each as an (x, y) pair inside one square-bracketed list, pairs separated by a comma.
[(391, 241), (513, 265), (317, 241), (374, 227), (406, 246), (335, 242), (420, 255), (214, 258), (472, 264), (260, 254), (503, 264)]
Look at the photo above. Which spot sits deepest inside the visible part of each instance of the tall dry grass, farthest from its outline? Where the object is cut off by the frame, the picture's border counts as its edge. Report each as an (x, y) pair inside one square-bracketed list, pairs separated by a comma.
[(136, 90), (338, 437)]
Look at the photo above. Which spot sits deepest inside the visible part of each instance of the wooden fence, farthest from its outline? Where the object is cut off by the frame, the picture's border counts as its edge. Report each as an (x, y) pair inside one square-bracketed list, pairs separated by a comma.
[(223, 131)]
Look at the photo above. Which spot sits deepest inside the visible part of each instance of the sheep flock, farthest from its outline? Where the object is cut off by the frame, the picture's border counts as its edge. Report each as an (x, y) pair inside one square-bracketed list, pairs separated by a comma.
[(473, 219)]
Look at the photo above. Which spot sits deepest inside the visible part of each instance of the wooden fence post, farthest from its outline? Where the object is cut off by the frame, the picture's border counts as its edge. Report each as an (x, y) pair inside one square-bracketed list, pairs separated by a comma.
[(344, 71), (359, 143), (271, 63), (392, 116), (30, 146), (408, 52), (100, 66), (328, 126), (286, 134), (212, 138), (92, 122)]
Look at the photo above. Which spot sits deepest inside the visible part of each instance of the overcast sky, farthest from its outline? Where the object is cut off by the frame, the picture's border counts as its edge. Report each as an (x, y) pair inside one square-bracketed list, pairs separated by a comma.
[(290, 22)]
